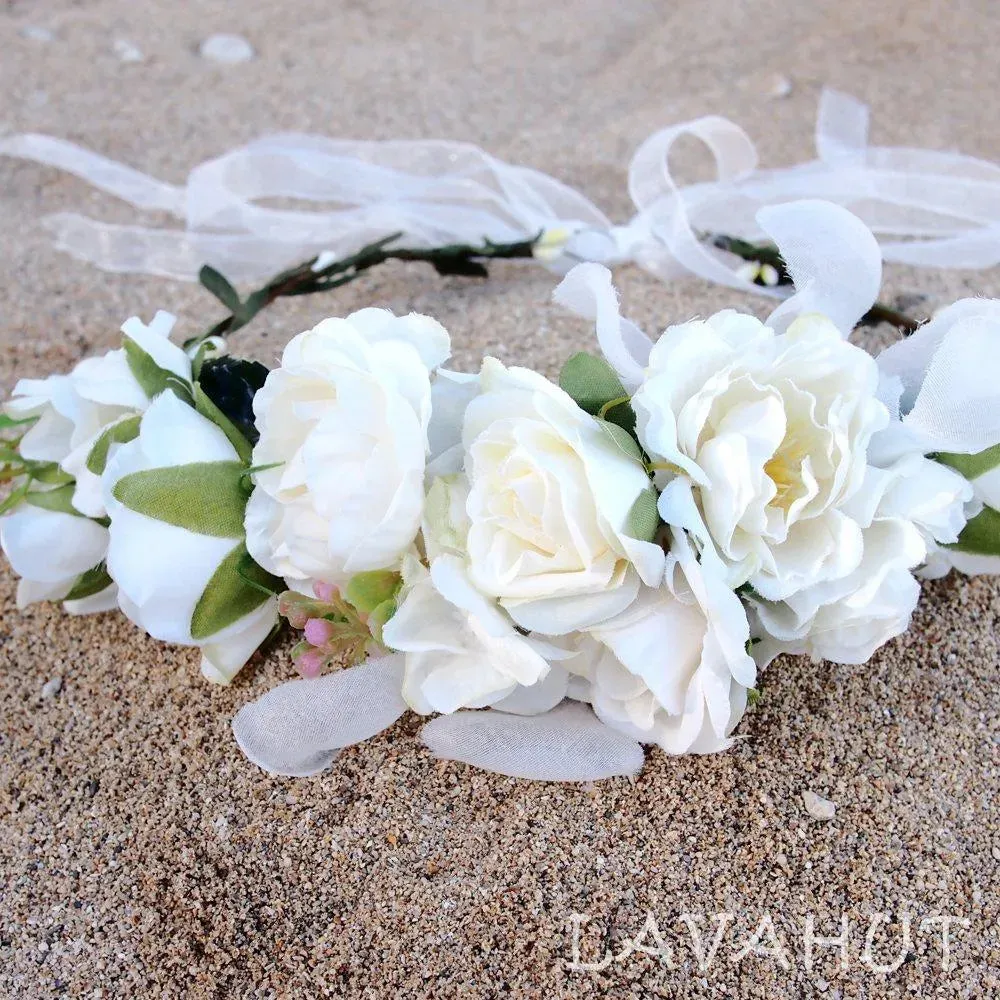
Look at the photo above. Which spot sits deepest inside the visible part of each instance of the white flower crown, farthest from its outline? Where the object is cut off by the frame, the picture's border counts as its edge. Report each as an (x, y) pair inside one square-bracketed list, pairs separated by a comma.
[(588, 567)]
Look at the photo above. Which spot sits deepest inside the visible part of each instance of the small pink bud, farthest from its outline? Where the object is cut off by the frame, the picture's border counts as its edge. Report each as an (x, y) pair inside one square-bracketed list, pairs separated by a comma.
[(319, 631), (294, 607), (310, 663), (324, 591)]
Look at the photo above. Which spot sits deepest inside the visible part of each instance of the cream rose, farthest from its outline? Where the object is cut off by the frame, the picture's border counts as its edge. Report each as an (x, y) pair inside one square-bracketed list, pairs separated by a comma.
[(51, 551), (55, 550), (343, 426), (461, 650), (946, 377), (672, 669), (176, 498), (550, 493), (772, 431), (74, 410)]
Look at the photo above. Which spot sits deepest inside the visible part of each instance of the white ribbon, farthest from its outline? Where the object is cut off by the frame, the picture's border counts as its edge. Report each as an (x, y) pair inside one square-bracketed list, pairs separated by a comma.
[(831, 255), (926, 208)]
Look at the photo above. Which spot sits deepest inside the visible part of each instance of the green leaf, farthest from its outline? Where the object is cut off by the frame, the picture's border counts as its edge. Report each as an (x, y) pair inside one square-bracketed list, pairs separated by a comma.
[(218, 285), (972, 466), (92, 582), (379, 616), (621, 438), (591, 381), (15, 497), (256, 576), (119, 433), (366, 591), (48, 473), (226, 599), (207, 498), (246, 311), (595, 387), (981, 536), (60, 499), (8, 422), (208, 409), (643, 518), (151, 377)]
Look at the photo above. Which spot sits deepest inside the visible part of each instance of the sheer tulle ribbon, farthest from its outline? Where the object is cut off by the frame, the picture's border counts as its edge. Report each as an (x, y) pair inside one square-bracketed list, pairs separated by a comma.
[(926, 208)]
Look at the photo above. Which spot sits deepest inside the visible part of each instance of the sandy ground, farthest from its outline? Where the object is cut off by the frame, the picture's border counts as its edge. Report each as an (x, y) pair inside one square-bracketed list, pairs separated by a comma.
[(142, 855)]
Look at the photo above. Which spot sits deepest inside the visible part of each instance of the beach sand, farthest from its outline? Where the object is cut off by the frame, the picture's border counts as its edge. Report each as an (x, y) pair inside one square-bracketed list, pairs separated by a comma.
[(142, 855)]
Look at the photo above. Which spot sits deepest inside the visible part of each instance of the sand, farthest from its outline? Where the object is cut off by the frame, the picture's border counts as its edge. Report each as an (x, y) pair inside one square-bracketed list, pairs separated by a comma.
[(143, 856)]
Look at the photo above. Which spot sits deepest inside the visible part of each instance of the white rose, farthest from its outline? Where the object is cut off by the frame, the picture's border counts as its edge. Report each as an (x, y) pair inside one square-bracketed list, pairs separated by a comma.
[(946, 378), (461, 650), (179, 584), (50, 550), (56, 552), (551, 491), (451, 393), (846, 620), (672, 669), (445, 527), (74, 410), (772, 431), (345, 422)]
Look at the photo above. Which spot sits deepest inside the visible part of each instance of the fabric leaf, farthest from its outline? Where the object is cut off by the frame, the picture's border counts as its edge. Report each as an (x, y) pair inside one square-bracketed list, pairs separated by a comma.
[(204, 405), (7, 422), (379, 616), (118, 433), (257, 577), (594, 384), (226, 599), (591, 381), (60, 499), (15, 497), (366, 591), (151, 377), (206, 498), (621, 439), (48, 473), (643, 518), (218, 285), (92, 582), (981, 536), (972, 466)]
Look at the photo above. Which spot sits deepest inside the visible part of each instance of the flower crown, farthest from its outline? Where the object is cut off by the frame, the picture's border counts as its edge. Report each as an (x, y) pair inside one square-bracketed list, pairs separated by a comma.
[(560, 573)]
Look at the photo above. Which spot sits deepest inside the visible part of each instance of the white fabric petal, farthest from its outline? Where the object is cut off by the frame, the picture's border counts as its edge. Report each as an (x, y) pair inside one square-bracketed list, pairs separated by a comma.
[(227, 653), (833, 259), (565, 744), (298, 728)]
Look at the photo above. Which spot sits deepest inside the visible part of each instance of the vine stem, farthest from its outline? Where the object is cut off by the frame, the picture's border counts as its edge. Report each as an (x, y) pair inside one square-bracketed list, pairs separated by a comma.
[(462, 259), (306, 279), (767, 254)]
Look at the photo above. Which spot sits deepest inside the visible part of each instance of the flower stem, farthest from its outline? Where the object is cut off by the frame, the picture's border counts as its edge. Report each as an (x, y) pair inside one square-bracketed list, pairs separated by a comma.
[(303, 279), (767, 253)]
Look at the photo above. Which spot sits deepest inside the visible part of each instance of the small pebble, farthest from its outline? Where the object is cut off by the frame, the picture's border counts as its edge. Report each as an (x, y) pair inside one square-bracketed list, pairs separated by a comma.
[(127, 52), (779, 86), (52, 687), (818, 807), (36, 33), (228, 49)]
